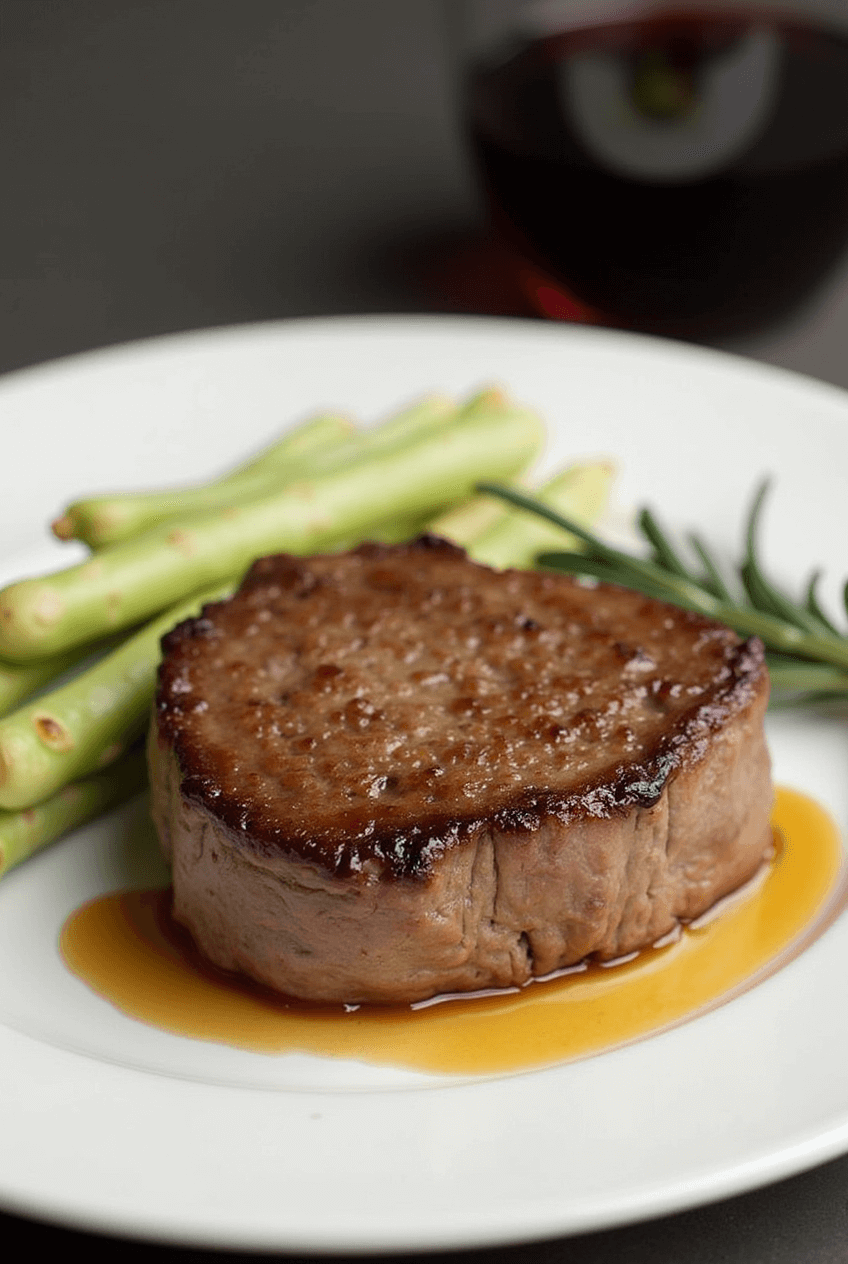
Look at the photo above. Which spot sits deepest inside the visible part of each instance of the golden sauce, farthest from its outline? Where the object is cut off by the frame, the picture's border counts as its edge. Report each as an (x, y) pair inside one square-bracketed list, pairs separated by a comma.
[(126, 948)]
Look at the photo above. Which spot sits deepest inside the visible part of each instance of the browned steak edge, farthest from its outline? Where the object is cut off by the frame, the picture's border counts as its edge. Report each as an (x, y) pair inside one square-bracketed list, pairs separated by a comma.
[(412, 852)]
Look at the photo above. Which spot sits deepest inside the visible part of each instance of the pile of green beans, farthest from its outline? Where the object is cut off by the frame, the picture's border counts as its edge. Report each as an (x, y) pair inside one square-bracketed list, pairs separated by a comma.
[(93, 631)]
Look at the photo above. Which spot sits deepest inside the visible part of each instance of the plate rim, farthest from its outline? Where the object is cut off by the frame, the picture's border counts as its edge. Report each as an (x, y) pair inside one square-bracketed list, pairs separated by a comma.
[(424, 322)]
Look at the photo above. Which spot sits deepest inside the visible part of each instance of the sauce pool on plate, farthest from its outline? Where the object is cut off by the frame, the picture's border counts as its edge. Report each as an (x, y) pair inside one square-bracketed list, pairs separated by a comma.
[(126, 948)]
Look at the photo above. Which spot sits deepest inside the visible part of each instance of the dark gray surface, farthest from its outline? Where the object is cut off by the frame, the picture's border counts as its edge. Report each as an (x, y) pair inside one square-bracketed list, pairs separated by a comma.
[(170, 164)]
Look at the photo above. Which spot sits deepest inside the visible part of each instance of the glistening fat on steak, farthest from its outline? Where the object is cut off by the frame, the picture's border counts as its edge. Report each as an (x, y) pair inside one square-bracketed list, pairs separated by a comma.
[(391, 773)]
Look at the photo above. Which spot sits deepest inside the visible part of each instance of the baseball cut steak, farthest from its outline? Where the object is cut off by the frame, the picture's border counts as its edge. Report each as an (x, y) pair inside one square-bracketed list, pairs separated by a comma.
[(392, 773)]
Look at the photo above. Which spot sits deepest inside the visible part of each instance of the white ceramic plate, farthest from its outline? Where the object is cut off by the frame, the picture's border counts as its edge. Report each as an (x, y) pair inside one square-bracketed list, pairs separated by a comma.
[(112, 1125)]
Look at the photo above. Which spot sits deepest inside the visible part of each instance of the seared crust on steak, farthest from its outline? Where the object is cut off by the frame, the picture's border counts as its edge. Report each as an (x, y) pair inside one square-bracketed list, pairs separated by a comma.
[(391, 773)]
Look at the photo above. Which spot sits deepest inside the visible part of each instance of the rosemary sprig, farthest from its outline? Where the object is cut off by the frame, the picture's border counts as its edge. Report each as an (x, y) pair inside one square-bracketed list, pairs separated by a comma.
[(807, 653)]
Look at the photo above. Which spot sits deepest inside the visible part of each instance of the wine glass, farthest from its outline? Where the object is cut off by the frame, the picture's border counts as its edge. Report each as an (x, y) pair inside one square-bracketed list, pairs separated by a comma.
[(676, 166)]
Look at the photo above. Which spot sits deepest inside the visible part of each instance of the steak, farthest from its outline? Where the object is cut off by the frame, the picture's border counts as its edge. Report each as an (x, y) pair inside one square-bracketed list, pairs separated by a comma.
[(393, 773)]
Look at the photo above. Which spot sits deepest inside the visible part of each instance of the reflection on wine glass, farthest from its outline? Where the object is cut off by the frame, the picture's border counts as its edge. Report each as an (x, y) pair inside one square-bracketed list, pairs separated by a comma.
[(676, 167)]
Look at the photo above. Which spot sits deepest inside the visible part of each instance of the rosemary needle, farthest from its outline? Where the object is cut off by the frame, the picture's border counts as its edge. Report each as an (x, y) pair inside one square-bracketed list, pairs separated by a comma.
[(808, 654)]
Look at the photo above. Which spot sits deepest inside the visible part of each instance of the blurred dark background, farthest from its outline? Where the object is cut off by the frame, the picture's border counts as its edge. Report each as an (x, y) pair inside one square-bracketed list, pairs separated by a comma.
[(169, 164), (174, 164)]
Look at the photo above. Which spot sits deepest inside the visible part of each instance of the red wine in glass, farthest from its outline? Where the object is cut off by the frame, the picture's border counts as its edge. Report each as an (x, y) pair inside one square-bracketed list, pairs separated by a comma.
[(684, 173)]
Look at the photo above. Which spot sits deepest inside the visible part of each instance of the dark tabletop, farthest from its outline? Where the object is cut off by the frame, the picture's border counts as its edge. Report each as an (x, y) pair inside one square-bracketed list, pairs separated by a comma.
[(176, 164)]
